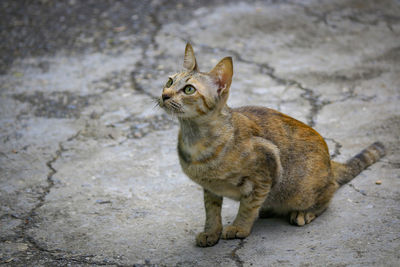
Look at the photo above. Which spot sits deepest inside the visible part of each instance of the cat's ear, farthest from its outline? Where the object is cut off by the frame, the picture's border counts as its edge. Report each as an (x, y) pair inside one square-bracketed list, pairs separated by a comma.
[(223, 73), (189, 62)]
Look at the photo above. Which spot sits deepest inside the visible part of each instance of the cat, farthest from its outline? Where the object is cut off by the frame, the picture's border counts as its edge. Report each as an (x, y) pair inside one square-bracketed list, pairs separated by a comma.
[(270, 162)]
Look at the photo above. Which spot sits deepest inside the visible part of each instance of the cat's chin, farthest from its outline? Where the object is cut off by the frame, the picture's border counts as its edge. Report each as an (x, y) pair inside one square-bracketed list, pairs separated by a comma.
[(182, 115), (174, 113), (178, 114)]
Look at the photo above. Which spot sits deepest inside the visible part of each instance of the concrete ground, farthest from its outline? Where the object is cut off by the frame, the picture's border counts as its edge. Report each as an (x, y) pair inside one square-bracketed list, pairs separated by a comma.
[(89, 172)]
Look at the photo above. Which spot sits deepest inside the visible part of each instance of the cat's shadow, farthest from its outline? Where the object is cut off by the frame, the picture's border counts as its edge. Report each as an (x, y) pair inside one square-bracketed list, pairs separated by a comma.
[(262, 225), (276, 224)]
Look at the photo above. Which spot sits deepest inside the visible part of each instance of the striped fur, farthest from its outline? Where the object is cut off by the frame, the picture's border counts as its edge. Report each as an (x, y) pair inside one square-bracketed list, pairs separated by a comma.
[(270, 162), (344, 173)]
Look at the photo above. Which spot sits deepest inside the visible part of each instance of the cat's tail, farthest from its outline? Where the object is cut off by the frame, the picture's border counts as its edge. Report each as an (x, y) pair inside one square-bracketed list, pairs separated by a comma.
[(344, 173)]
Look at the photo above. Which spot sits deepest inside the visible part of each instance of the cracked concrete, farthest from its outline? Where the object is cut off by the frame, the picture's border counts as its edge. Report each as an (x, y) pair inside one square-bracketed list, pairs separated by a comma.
[(89, 172)]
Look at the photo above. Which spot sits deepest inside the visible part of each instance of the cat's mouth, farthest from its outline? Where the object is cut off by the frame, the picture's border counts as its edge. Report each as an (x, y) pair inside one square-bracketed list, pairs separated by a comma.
[(171, 106)]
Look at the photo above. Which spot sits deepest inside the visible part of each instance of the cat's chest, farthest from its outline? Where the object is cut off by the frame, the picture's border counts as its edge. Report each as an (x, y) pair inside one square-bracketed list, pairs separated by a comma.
[(209, 160), (220, 187), (219, 169)]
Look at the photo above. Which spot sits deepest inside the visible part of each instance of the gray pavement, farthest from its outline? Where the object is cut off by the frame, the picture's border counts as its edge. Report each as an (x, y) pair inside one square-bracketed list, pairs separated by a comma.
[(88, 168)]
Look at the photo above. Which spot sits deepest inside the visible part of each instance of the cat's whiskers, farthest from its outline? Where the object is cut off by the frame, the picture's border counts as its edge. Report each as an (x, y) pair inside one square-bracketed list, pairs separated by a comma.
[(176, 107), (157, 102)]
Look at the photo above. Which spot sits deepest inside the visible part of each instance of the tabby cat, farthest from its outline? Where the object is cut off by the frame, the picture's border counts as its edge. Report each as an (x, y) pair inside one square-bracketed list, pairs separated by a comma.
[(270, 162)]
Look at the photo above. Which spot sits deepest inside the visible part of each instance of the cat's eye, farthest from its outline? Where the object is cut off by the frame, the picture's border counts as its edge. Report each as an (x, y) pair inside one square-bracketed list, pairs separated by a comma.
[(189, 89), (169, 83)]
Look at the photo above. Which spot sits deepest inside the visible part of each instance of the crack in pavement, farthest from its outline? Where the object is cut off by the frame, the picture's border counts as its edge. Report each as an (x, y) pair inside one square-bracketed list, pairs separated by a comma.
[(320, 17), (83, 260), (395, 165), (362, 192), (156, 23), (63, 104), (136, 85), (28, 221), (50, 183), (144, 44), (144, 126), (353, 18), (337, 148), (234, 256)]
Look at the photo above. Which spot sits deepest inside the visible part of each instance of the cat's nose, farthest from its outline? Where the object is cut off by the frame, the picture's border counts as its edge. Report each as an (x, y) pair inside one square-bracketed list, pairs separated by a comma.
[(165, 97)]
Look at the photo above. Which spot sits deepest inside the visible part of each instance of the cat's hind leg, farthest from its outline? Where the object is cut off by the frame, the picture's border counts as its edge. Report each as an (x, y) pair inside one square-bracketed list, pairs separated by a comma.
[(301, 218), (324, 194)]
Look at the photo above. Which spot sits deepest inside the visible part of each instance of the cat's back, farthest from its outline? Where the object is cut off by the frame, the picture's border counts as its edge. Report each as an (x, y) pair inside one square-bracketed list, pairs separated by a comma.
[(286, 132), (271, 120)]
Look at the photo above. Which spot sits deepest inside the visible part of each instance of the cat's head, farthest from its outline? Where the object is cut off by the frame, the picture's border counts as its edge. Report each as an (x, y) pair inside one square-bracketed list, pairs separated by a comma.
[(191, 93)]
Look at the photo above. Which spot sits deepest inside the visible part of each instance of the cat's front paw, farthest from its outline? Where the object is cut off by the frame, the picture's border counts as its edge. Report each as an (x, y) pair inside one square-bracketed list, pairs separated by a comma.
[(232, 232), (205, 239)]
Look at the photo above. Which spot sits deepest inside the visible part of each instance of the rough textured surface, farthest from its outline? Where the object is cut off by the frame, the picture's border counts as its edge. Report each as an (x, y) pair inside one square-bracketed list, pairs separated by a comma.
[(88, 169)]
